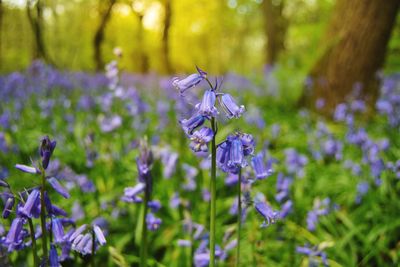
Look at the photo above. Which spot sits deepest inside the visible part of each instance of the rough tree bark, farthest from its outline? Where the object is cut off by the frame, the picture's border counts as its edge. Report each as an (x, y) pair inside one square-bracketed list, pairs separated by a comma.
[(275, 29), (34, 11), (98, 39), (165, 36), (356, 42)]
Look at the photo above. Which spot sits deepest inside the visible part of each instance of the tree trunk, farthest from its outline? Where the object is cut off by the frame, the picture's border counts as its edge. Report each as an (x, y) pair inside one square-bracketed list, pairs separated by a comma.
[(275, 29), (99, 36), (143, 58), (35, 16), (165, 36), (356, 43)]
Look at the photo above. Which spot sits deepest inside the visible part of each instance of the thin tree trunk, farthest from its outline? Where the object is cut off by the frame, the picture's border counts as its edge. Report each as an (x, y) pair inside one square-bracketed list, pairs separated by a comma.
[(143, 58), (35, 16), (165, 37), (356, 43), (99, 36), (275, 29)]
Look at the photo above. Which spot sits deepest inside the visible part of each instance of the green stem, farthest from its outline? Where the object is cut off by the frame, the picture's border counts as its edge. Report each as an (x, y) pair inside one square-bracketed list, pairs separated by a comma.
[(213, 194), (93, 248), (143, 247), (34, 247), (43, 218), (239, 217)]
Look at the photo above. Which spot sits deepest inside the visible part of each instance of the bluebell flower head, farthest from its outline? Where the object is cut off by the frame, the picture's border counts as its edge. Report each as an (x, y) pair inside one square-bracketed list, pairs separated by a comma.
[(8, 206), (230, 107), (200, 139), (207, 106), (53, 256), (265, 210), (313, 254), (144, 163), (192, 123), (46, 150), (27, 169), (189, 82), (57, 230), (99, 235), (15, 230), (261, 169), (130, 193), (31, 204), (153, 223), (58, 187), (154, 205)]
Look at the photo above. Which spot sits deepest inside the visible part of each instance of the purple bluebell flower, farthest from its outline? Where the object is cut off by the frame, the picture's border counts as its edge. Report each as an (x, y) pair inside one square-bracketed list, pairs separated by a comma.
[(8, 206), (282, 187), (261, 170), (207, 106), (174, 201), (110, 124), (31, 204), (99, 235), (248, 143), (154, 205), (57, 230), (15, 230), (230, 107), (58, 187), (340, 112), (320, 208), (265, 210), (200, 139), (295, 162), (362, 189), (46, 150), (53, 257), (153, 223), (286, 208), (144, 163), (313, 254), (189, 82), (236, 153), (27, 169), (77, 232), (184, 243), (192, 123), (130, 193)]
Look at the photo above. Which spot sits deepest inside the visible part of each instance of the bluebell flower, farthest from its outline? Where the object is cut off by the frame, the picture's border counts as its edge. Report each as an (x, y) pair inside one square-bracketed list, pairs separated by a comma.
[(192, 123), (46, 150), (313, 254), (8, 206), (154, 205), (99, 235), (200, 139), (53, 257), (230, 107), (207, 106), (286, 208), (57, 230), (261, 170), (362, 189), (130, 193), (265, 210), (282, 187), (58, 187), (320, 208), (27, 169), (15, 230), (153, 223), (31, 204), (189, 82)]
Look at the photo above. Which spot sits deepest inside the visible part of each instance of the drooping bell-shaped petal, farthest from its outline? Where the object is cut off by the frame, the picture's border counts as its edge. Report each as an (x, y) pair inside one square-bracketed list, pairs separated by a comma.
[(130, 193), (46, 150), (261, 170), (27, 169), (99, 235), (57, 230), (200, 139), (236, 154), (77, 232), (248, 143), (230, 107), (58, 187), (8, 206), (191, 81), (267, 212), (53, 256), (223, 153), (32, 201), (15, 230), (189, 125), (154, 205), (153, 223), (207, 105)]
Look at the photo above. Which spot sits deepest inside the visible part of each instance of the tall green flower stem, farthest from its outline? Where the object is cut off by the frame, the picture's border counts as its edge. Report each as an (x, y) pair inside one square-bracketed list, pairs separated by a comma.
[(43, 217), (239, 217), (34, 247), (143, 247), (213, 193)]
